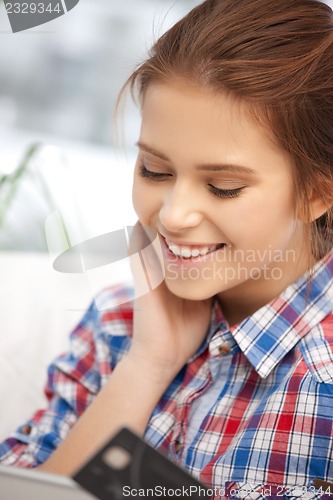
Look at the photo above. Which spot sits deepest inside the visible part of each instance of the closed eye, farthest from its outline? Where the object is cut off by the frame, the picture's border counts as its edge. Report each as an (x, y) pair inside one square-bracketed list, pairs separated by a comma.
[(160, 176), (226, 193), (144, 172)]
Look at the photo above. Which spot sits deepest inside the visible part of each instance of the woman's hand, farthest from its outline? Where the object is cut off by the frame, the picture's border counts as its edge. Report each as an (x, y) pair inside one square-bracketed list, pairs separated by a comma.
[(167, 329), (167, 332)]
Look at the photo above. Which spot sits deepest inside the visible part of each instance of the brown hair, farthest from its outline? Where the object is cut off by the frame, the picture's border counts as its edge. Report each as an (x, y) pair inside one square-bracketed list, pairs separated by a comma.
[(277, 56)]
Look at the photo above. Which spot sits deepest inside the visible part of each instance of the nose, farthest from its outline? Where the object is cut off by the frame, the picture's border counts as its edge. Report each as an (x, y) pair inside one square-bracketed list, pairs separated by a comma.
[(180, 209)]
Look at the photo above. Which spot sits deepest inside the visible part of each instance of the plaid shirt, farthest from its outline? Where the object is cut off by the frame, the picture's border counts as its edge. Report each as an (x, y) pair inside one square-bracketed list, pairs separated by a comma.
[(252, 410)]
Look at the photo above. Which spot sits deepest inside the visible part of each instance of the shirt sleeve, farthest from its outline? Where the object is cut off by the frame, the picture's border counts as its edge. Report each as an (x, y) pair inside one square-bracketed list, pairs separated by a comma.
[(74, 379)]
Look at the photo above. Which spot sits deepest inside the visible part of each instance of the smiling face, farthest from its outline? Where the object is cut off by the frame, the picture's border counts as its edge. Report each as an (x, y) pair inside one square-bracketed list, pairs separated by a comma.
[(210, 180)]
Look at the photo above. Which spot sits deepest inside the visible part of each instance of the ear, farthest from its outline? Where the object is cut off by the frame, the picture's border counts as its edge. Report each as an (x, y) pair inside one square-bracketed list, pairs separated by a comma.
[(318, 208), (320, 201), (319, 204)]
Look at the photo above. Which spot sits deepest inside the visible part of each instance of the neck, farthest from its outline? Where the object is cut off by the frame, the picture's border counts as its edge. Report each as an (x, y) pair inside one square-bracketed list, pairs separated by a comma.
[(243, 300)]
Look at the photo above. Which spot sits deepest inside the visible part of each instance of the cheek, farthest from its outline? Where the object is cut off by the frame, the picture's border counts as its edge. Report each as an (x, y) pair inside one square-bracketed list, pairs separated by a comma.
[(259, 217), (144, 200), (137, 199)]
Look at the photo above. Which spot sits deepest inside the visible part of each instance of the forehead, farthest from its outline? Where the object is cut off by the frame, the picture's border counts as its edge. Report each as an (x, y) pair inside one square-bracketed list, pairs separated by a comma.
[(197, 125)]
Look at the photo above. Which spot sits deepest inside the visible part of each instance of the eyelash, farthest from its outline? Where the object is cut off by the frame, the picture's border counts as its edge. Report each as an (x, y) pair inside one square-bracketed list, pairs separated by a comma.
[(223, 193), (151, 175)]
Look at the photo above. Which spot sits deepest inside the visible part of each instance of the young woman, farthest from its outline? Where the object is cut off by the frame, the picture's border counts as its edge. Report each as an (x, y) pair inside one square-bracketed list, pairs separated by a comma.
[(227, 365)]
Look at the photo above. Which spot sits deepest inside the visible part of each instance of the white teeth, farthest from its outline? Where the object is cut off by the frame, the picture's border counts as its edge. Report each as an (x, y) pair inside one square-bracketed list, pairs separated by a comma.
[(187, 252), (195, 253), (204, 251), (174, 249)]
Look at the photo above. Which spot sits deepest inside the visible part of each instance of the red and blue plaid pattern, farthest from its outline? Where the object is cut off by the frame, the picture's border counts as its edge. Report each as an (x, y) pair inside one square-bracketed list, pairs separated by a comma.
[(251, 412)]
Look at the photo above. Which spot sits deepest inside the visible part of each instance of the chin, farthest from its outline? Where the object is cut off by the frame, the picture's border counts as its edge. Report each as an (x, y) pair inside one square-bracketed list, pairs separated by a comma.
[(190, 290)]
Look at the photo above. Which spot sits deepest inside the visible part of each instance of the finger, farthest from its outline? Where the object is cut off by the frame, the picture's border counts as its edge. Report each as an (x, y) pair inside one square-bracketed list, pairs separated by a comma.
[(154, 264), (137, 238), (146, 259)]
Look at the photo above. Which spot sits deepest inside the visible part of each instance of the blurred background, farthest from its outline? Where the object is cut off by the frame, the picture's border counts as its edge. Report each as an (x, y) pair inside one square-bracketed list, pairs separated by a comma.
[(58, 86)]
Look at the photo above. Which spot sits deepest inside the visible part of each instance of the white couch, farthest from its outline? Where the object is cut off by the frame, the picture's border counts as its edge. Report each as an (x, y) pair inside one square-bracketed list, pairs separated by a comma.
[(38, 309)]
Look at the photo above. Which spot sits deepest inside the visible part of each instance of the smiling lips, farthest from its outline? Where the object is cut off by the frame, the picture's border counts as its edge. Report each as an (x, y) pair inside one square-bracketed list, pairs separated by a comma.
[(187, 252)]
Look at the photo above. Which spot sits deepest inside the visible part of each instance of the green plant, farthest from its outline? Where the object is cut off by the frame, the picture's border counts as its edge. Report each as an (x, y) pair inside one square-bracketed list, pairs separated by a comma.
[(26, 200), (9, 183)]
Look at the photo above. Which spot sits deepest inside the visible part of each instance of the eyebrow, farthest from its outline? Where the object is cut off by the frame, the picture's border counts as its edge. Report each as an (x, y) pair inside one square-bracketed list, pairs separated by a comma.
[(223, 167)]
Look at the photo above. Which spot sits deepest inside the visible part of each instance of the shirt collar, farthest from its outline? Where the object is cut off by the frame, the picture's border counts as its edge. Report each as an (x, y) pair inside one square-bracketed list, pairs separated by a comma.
[(273, 330)]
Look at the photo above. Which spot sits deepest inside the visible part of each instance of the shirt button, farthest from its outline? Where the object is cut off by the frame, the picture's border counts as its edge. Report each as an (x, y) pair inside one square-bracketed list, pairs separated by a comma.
[(178, 445), (224, 348), (26, 430)]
